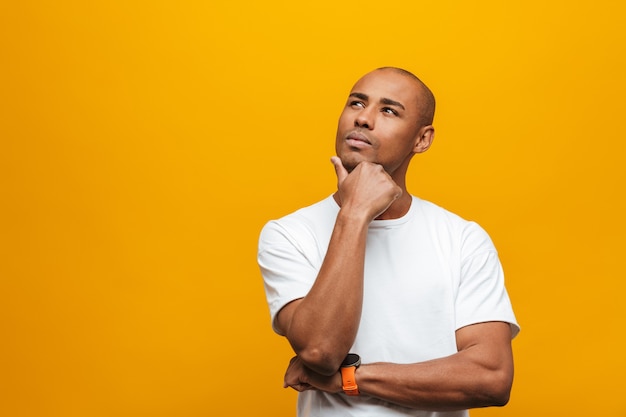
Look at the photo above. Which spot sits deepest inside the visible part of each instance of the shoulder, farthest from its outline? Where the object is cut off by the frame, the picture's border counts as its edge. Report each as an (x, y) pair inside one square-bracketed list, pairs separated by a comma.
[(467, 233), (439, 216), (309, 220)]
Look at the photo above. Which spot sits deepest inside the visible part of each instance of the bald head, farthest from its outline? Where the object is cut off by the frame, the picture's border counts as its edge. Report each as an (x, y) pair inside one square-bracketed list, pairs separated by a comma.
[(426, 99)]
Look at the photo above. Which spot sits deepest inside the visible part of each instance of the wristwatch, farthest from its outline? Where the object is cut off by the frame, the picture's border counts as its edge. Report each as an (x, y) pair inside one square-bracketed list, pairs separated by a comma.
[(348, 366)]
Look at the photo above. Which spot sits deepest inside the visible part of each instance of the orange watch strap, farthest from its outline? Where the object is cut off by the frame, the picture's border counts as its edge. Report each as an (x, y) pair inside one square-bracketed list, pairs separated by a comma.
[(349, 381)]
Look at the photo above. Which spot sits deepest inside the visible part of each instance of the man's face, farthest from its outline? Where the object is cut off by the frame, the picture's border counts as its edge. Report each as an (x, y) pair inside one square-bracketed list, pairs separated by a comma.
[(379, 123)]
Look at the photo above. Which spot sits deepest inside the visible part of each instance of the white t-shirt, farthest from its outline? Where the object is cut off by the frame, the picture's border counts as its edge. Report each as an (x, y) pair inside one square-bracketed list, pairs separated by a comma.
[(427, 274)]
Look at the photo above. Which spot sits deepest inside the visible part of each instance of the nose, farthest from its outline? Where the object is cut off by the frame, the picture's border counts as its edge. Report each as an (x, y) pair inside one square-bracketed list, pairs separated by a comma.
[(364, 119)]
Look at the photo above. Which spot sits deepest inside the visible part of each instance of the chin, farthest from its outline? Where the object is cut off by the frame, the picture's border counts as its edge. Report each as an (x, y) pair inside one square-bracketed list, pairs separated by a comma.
[(349, 162)]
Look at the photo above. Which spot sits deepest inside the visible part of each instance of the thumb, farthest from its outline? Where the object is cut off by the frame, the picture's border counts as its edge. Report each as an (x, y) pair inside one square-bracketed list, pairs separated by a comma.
[(339, 169)]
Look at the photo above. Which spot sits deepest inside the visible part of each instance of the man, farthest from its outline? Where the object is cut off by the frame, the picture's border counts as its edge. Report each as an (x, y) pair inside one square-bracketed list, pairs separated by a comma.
[(412, 289)]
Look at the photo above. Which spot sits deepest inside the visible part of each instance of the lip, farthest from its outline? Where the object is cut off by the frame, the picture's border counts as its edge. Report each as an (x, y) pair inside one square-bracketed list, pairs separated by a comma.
[(356, 138)]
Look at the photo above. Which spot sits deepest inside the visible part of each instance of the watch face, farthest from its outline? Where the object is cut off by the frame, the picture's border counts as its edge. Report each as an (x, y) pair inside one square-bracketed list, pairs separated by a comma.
[(351, 360)]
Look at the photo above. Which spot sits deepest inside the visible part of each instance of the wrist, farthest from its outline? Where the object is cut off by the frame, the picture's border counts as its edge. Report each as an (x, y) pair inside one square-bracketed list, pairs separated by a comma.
[(353, 218), (348, 374)]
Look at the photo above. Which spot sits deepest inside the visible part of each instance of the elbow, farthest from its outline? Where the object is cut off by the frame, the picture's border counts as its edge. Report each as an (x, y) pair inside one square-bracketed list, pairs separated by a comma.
[(500, 399), (321, 361), (498, 389)]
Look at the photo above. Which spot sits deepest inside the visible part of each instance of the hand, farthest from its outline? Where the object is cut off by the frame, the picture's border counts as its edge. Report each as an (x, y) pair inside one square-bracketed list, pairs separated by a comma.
[(301, 378), (368, 188)]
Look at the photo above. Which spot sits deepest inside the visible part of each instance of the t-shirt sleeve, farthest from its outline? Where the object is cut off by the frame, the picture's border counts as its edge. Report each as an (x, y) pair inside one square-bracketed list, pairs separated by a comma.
[(287, 258), (482, 296)]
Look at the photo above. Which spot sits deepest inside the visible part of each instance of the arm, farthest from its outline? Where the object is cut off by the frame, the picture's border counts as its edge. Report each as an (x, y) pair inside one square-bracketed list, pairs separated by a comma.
[(480, 374), (321, 327)]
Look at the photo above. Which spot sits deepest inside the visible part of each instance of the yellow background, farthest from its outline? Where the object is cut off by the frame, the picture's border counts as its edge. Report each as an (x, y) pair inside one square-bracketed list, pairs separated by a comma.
[(144, 144)]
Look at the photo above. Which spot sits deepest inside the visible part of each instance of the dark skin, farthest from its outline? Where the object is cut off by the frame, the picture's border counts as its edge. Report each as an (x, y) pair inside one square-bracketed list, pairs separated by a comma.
[(376, 139)]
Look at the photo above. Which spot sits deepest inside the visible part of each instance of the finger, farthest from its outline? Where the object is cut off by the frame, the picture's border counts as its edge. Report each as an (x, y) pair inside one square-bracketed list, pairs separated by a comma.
[(300, 387), (340, 170)]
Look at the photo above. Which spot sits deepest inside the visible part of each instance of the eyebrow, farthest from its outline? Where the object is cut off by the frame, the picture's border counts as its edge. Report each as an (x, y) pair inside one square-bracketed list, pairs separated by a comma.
[(383, 100)]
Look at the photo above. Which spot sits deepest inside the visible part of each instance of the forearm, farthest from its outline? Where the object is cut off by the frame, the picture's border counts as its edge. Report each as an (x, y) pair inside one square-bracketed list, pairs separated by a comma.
[(323, 326), (479, 375), (433, 386)]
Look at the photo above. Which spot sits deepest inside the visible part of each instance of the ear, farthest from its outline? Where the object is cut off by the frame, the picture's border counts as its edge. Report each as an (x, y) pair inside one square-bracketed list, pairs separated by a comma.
[(425, 139)]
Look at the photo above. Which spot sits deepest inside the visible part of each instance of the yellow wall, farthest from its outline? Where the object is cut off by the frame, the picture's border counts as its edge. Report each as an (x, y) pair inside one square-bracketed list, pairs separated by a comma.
[(144, 144)]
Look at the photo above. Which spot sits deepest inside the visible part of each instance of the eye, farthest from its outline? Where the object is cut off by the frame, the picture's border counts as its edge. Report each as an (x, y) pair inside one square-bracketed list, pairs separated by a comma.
[(389, 110), (357, 104)]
